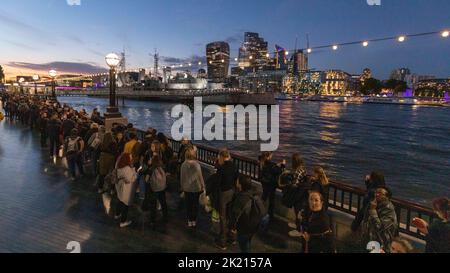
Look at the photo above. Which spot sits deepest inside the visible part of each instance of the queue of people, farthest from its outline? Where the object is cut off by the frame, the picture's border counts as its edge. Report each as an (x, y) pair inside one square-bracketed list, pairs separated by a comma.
[(126, 166)]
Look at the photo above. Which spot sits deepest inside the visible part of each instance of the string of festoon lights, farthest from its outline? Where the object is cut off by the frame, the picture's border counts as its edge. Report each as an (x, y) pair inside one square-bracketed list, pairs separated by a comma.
[(310, 50), (333, 47)]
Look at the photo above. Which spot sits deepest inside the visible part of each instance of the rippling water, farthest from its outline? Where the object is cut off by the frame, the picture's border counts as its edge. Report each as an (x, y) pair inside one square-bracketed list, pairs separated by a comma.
[(410, 144)]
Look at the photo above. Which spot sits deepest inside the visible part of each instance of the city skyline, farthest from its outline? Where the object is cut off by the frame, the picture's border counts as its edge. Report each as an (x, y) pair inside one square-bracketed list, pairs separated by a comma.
[(66, 40)]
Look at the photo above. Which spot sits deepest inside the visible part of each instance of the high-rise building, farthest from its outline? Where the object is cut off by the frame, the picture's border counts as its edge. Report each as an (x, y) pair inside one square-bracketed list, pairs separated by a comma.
[(400, 74), (281, 62), (298, 63), (253, 54), (367, 74), (218, 60)]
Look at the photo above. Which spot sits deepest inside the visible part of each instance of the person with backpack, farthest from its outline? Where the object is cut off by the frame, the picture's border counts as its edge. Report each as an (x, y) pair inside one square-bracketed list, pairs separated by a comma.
[(269, 174), (192, 184), (73, 148), (108, 153), (126, 178), (155, 178), (226, 175), (246, 214)]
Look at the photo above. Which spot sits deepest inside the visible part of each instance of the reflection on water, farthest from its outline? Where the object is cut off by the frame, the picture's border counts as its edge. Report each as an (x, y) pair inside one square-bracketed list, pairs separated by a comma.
[(409, 143)]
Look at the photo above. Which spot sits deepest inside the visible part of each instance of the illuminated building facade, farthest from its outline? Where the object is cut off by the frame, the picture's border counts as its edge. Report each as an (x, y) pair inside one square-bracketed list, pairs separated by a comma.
[(337, 83), (218, 60), (437, 88), (253, 54), (367, 74)]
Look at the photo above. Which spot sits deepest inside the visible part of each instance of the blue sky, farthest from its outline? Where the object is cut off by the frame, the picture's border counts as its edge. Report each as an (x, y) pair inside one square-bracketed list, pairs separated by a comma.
[(34, 33)]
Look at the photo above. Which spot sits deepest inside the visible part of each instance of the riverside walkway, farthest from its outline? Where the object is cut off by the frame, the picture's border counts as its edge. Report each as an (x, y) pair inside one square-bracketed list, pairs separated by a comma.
[(41, 211)]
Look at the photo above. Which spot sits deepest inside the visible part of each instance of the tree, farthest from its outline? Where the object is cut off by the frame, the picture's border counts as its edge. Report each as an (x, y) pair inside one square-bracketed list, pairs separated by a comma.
[(2, 74), (395, 85), (371, 87)]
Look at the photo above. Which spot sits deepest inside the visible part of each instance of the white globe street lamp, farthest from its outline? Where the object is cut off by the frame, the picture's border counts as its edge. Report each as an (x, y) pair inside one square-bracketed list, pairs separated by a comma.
[(52, 73), (112, 60)]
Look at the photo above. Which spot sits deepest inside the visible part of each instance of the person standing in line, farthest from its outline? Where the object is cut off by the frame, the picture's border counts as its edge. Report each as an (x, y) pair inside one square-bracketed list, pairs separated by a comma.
[(192, 184), (73, 148), (437, 233), (53, 133), (226, 175), (126, 177), (269, 174)]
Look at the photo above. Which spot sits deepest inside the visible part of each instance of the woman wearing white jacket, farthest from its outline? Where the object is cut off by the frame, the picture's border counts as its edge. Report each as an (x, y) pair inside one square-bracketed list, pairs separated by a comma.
[(125, 187), (192, 184)]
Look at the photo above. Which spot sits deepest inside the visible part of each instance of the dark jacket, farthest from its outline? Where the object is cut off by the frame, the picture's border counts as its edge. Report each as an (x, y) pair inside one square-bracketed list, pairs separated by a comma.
[(212, 188), (438, 238), (53, 129), (269, 174), (88, 135), (67, 126), (319, 227), (238, 216), (227, 174)]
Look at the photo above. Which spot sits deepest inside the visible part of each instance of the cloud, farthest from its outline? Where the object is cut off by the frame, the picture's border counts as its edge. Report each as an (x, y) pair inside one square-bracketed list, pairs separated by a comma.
[(193, 60), (21, 45), (74, 2), (8, 20), (63, 67), (235, 39)]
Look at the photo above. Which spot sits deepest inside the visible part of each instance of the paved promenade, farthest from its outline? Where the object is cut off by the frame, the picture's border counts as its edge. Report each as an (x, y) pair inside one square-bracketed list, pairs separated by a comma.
[(41, 210)]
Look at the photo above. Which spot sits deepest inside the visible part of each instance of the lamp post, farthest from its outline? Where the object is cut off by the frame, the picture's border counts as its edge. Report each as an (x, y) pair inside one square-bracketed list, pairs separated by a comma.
[(52, 73), (21, 81), (35, 79), (112, 60)]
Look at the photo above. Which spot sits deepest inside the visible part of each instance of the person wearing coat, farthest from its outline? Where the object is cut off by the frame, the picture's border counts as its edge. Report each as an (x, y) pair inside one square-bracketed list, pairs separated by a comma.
[(438, 232), (125, 187), (373, 181), (107, 159), (192, 184), (318, 234), (269, 174), (380, 220)]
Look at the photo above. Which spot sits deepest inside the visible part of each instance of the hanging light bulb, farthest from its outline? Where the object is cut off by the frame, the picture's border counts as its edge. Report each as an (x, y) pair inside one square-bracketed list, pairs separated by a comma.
[(335, 47), (445, 33), (401, 39), (309, 50), (365, 44)]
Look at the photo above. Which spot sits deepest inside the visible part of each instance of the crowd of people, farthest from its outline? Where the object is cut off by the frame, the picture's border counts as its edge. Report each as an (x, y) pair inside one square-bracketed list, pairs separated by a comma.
[(137, 170)]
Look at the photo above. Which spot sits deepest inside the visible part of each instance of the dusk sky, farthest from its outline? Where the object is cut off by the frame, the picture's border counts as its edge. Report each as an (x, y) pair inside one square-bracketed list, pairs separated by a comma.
[(39, 34)]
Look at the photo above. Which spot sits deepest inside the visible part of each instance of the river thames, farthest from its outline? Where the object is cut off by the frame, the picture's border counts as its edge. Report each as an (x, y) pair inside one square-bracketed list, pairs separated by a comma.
[(410, 144)]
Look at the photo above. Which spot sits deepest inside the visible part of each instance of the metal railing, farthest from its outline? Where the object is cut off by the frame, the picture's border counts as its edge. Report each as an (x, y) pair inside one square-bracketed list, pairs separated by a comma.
[(342, 197)]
